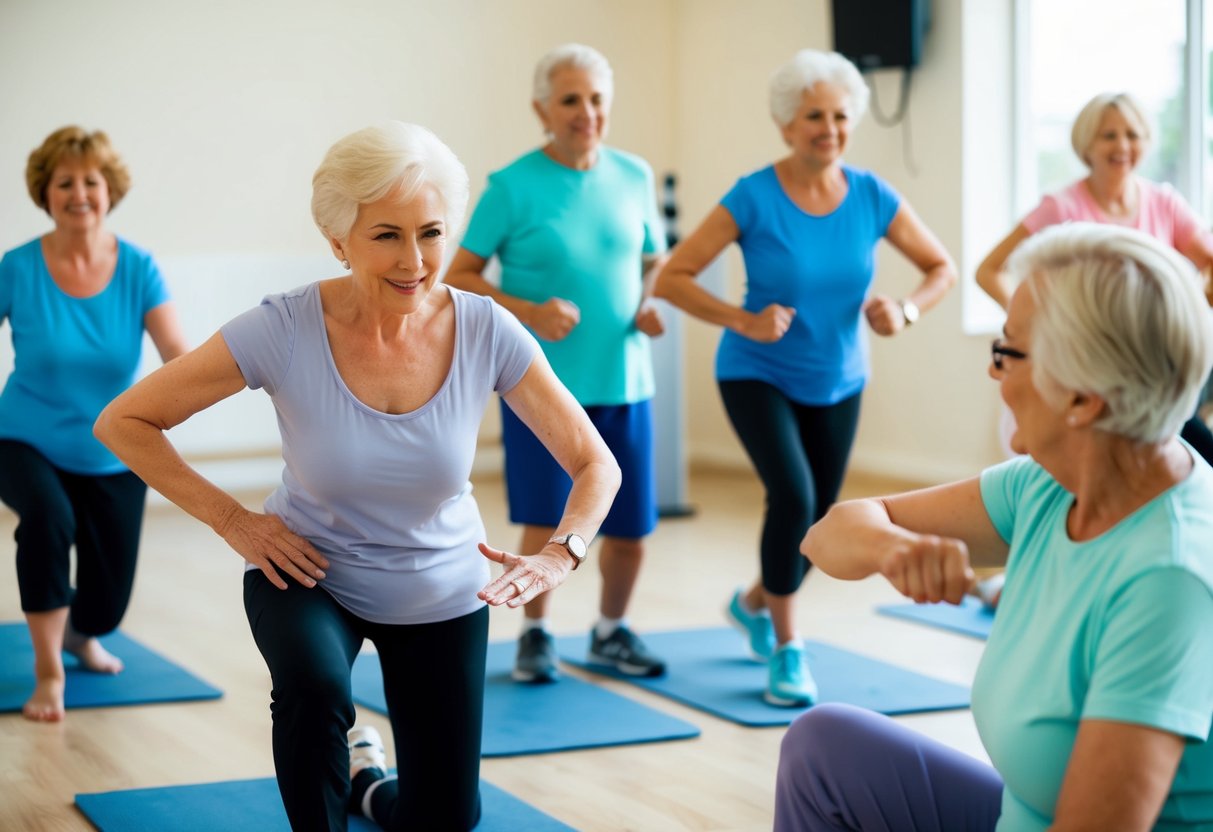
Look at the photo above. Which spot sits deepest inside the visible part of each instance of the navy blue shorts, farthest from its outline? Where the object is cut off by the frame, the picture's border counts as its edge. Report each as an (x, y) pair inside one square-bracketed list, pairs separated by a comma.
[(537, 487)]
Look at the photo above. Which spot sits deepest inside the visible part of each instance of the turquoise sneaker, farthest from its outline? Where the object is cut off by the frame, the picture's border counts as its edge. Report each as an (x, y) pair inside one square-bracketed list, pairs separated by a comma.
[(789, 683), (755, 626)]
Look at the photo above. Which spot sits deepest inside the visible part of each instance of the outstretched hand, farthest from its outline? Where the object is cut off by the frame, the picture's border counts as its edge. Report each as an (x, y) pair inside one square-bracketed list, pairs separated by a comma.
[(264, 541), (929, 569), (523, 578)]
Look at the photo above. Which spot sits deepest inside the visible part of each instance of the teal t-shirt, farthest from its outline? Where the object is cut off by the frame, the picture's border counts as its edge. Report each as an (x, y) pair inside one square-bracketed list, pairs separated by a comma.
[(1117, 628), (72, 356), (578, 235)]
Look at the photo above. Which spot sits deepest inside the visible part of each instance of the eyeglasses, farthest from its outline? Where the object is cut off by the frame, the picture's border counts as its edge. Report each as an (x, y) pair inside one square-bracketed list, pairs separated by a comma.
[(998, 352)]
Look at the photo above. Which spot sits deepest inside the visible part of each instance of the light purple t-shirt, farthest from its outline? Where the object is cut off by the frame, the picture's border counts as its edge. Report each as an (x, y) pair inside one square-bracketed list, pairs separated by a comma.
[(1161, 212), (385, 497)]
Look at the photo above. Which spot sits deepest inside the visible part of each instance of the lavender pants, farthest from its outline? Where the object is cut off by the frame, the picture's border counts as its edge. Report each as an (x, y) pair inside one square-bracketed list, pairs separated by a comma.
[(842, 767)]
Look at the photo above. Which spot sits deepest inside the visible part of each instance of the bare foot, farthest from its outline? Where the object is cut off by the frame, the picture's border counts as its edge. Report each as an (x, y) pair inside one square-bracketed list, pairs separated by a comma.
[(91, 654), (46, 705)]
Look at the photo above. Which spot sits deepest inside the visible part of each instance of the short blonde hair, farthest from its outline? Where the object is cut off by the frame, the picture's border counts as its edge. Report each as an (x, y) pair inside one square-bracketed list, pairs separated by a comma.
[(1121, 316), (575, 55), (76, 143), (807, 68), (1086, 124), (367, 165)]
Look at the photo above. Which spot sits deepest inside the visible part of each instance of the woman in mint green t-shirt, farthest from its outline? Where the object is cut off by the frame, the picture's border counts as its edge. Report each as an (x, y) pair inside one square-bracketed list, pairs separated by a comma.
[(1095, 692), (574, 226)]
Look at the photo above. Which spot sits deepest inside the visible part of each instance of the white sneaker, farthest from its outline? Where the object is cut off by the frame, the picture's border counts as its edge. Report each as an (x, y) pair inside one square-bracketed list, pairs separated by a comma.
[(366, 750)]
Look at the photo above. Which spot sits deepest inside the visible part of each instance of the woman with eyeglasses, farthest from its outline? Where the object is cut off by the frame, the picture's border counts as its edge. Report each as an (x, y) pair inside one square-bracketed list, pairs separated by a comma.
[(1111, 136), (1095, 692)]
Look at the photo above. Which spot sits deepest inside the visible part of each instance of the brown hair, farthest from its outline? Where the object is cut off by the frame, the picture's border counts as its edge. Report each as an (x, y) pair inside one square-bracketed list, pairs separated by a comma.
[(75, 142)]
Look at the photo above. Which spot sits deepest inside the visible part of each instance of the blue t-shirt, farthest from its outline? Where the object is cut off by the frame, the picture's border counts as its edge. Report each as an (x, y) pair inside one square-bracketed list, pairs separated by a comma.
[(578, 235), (385, 497), (72, 356), (1117, 628), (822, 266)]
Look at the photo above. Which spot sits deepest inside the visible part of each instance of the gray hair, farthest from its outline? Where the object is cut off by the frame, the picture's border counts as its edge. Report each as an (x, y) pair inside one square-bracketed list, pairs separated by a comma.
[(574, 55), (1121, 316), (1086, 123), (807, 68), (369, 164)]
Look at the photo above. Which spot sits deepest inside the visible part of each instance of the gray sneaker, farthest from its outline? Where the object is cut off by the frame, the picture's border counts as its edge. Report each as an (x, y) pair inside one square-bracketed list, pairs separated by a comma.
[(536, 659), (624, 651)]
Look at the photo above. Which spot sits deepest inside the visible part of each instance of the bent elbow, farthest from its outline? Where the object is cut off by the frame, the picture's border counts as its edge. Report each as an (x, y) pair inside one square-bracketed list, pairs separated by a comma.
[(661, 286), (103, 427), (615, 476)]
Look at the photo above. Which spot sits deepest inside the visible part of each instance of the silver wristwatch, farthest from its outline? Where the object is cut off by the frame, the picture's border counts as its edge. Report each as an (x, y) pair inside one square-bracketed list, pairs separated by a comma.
[(574, 544)]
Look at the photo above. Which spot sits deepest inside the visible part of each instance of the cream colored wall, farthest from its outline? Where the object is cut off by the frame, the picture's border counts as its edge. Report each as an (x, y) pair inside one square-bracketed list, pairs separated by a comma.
[(930, 411), (223, 111)]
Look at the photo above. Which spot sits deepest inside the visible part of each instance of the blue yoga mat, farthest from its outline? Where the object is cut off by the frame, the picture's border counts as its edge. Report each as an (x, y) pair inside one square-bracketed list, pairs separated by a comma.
[(148, 676), (971, 617), (535, 719), (712, 671), (254, 806)]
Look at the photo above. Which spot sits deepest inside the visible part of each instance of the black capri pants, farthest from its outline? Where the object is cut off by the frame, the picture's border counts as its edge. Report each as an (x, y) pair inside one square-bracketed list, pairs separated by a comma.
[(800, 453), (101, 515), (433, 681)]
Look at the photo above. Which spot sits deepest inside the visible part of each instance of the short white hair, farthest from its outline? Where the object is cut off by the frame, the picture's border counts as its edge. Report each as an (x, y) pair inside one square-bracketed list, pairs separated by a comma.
[(369, 164), (575, 55), (1086, 123), (1119, 315), (808, 68)]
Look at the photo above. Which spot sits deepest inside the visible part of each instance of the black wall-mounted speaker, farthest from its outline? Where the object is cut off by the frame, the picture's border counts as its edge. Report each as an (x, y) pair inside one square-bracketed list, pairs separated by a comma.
[(875, 34)]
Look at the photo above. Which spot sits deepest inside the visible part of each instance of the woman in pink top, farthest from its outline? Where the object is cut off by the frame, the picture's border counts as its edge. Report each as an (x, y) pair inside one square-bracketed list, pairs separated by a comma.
[(1110, 136)]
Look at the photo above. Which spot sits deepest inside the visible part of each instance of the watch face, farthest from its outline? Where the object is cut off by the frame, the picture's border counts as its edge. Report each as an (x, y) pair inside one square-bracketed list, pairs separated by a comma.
[(576, 545)]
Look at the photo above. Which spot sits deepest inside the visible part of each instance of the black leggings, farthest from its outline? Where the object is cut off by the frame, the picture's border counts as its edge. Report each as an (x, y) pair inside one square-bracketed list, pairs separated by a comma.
[(433, 680), (101, 515), (800, 453)]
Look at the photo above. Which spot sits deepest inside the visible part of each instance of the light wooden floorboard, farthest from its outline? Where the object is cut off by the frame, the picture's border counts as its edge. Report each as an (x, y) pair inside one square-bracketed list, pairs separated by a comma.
[(188, 605)]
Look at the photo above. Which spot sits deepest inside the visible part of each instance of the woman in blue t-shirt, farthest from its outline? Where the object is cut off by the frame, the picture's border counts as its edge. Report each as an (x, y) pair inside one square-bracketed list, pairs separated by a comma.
[(793, 360), (78, 300), (1095, 691), (574, 225)]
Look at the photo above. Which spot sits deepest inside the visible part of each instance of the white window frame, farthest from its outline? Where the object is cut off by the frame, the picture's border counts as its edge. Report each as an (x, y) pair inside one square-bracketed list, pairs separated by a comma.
[(1192, 159)]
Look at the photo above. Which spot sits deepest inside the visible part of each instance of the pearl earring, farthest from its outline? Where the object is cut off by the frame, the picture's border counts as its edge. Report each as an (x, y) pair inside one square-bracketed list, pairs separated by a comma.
[(345, 264)]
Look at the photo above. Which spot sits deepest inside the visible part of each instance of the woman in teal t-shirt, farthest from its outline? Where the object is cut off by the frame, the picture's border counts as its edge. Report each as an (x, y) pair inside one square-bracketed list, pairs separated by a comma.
[(1095, 692), (574, 225), (793, 359), (78, 300)]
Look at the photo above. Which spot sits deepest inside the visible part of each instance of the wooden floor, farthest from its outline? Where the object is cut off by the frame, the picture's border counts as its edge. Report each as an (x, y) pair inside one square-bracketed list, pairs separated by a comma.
[(187, 605)]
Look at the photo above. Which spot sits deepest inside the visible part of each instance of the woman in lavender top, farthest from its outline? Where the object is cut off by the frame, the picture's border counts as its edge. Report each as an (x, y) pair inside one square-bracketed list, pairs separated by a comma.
[(379, 379)]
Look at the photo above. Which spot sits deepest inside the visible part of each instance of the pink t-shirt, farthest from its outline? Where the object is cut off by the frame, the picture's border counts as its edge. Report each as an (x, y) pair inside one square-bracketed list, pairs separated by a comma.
[(1161, 212)]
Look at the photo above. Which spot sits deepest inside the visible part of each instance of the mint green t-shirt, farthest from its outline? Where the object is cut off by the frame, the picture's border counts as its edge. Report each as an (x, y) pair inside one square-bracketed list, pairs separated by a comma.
[(578, 235), (1117, 628)]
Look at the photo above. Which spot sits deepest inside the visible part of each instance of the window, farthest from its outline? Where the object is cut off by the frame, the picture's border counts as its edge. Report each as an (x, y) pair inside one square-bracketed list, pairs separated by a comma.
[(1078, 48)]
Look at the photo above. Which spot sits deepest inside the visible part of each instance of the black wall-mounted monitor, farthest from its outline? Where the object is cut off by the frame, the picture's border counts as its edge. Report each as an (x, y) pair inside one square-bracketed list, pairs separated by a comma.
[(876, 34)]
